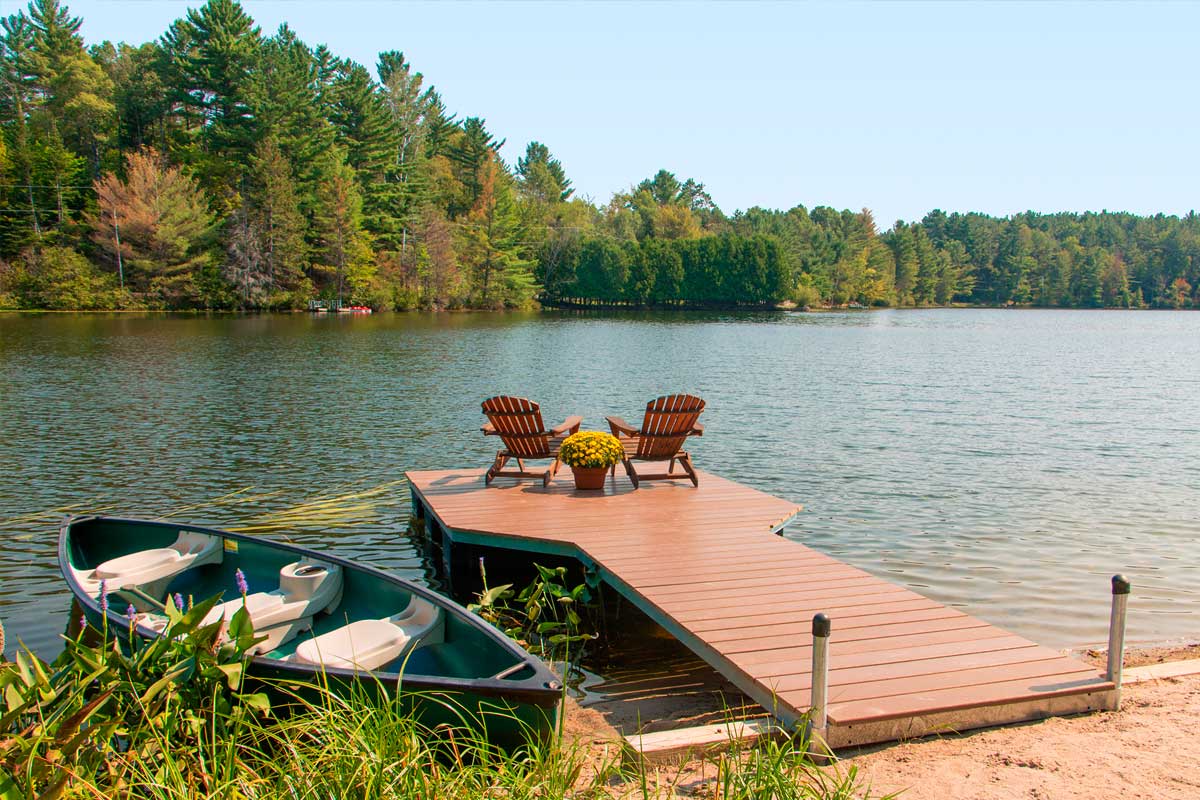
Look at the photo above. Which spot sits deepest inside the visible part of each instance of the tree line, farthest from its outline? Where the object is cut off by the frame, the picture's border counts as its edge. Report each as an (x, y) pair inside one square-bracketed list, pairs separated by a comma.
[(221, 167)]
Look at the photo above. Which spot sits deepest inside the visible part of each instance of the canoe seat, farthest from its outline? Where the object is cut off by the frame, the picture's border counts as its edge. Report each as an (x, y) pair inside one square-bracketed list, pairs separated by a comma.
[(152, 570), (305, 590), (369, 644)]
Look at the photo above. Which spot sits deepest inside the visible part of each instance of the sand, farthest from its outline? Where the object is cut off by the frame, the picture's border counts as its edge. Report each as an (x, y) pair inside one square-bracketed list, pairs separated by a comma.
[(1148, 749)]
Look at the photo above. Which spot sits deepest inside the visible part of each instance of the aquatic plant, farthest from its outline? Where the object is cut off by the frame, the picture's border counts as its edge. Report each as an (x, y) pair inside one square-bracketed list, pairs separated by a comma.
[(83, 719), (170, 720), (544, 617)]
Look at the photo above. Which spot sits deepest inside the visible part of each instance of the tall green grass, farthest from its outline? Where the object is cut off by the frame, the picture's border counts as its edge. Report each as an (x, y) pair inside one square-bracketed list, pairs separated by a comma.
[(174, 718)]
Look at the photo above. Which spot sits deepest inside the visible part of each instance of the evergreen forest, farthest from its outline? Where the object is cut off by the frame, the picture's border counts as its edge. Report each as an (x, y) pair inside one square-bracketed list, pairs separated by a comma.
[(222, 167)]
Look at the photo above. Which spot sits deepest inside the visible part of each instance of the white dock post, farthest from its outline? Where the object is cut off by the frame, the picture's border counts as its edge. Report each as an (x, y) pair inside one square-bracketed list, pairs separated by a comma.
[(818, 719), (1116, 634)]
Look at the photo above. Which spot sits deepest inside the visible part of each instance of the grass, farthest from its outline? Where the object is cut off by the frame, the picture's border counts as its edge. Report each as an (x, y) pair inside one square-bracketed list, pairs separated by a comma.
[(172, 719)]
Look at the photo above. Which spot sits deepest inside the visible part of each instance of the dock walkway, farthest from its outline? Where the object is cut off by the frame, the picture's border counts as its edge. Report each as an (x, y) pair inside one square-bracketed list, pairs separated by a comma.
[(704, 563)]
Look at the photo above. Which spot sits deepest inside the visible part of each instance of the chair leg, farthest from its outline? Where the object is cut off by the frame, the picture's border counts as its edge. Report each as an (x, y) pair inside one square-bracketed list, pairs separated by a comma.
[(497, 465), (685, 461), (671, 466), (633, 478)]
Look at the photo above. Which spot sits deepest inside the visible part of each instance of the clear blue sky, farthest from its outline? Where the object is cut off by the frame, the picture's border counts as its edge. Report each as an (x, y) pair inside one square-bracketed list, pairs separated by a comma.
[(900, 108)]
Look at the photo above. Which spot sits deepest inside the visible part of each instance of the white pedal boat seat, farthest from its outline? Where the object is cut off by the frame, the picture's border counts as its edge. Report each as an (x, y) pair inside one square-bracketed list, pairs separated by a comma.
[(306, 588), (152, 570), (369, 644)]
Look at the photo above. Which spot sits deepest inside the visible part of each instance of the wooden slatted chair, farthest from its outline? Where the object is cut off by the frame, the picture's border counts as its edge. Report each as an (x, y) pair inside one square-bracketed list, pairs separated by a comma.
[(518, 423), (668, 422)]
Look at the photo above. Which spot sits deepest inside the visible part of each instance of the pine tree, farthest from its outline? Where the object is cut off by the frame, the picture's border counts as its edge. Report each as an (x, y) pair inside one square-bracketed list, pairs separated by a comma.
[(288, 110), (364, 128), (439, 126), (491, 243), (471, 152), (907, 263), (76, 90), (437, 264), (155, 223), (139, 95), (19, 102), (277, 218), (541, 176), (343, 251), (212, 52), (406, 182)]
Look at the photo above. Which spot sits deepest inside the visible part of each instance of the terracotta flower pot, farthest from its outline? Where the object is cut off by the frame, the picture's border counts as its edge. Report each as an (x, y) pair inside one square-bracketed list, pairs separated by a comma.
[(589, 477)]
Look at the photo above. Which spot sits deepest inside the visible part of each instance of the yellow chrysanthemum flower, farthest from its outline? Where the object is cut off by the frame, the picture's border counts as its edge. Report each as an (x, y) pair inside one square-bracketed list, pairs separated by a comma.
[(591, 449)]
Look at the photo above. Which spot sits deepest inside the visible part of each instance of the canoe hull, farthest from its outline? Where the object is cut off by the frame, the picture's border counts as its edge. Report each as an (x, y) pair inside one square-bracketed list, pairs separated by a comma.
[(476, 677)]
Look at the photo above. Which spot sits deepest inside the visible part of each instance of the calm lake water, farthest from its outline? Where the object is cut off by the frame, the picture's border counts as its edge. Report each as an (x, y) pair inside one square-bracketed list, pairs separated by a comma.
[(1004, 462)]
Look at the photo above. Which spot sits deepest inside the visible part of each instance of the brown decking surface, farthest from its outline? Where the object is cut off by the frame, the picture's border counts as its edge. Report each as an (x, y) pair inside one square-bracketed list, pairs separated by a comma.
[(704, 563)]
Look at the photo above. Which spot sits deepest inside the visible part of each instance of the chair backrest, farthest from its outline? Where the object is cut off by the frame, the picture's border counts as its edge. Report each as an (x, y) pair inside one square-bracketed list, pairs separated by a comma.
[(666, 426), (518, 422)]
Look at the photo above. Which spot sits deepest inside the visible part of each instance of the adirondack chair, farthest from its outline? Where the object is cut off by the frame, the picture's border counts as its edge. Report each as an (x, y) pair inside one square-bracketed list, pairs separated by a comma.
[(668, 422), (518, 423)]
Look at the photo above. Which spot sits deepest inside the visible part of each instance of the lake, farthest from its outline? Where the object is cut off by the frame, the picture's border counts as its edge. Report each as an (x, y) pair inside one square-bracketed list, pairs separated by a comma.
[(1003, 462)]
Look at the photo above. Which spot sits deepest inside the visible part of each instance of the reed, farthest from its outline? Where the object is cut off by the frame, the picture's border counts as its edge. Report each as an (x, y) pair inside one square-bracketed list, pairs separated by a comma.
[(171, 720)]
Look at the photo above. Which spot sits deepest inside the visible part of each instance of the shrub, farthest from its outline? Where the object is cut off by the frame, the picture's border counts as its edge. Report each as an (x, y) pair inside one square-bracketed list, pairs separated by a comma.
[(60, 279), (806, 295)]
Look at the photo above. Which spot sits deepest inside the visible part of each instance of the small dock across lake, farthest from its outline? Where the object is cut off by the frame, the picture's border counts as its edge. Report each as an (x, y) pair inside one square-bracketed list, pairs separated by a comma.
[(707, 564)]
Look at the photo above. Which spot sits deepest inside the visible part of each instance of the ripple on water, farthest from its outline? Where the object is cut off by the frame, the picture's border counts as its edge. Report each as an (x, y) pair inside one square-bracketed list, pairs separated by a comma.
[(1005, 463)]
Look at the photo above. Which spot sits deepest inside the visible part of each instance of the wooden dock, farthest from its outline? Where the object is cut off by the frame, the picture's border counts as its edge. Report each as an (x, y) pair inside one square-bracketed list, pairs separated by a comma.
[(705, 563)]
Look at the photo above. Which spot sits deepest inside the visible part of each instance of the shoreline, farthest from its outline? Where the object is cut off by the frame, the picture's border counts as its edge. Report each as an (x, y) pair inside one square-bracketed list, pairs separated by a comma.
[(780, 308), (1134, 751)]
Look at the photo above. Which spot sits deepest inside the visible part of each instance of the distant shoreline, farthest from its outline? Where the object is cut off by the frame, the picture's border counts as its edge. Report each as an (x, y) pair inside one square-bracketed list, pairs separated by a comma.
[(198, 312)]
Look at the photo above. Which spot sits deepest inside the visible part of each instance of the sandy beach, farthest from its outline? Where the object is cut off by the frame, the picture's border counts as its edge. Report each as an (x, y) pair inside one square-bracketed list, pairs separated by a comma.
[(1148, 749)]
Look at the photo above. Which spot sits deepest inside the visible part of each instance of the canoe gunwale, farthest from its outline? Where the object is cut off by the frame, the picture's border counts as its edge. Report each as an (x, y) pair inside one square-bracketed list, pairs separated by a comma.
[(543, 689)]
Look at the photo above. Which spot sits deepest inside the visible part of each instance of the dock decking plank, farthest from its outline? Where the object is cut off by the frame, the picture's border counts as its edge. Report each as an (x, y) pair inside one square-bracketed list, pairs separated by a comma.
[(704, 563)]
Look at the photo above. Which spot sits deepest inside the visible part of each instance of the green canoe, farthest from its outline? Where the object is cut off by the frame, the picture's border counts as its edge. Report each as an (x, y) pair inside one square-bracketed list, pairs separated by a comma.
[(324, 618)]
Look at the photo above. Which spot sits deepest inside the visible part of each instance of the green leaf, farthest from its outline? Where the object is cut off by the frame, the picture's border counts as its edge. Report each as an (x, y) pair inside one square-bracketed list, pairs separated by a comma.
[(233, 673), (13, 699), (71, 723), (195, 615), (495, 593), (163, 682), (550, 575), (9, 790), (241, 624), (258, 702), (24, 670)]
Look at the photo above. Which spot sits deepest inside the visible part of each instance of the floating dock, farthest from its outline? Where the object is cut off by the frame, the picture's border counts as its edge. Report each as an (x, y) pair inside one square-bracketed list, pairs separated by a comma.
[(707, 564)]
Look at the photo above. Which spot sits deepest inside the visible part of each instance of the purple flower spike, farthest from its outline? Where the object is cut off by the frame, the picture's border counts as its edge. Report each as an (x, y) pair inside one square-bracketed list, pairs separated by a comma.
[(104, 597), (179, 601), (131, 613), (82, 623), (243, 587)]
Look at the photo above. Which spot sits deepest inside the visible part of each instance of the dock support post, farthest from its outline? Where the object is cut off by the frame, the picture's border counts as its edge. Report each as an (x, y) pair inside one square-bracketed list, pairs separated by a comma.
[(818, 713), (1116, 635)]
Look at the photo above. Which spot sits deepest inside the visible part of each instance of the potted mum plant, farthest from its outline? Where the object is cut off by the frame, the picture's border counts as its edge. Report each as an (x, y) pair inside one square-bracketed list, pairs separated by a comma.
[(590, 454)]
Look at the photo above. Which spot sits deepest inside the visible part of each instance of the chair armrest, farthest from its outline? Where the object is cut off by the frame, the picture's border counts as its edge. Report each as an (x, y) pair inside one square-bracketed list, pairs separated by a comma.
[(569, 424), (488, 429), (697, 430), (620, 426)]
